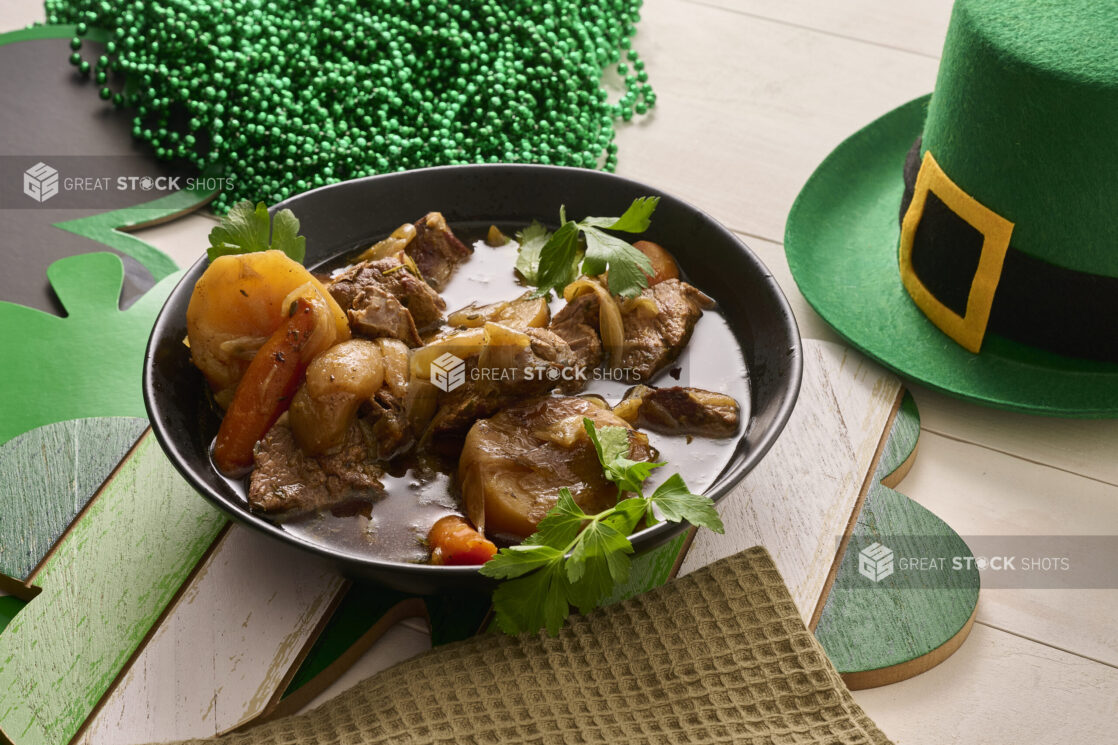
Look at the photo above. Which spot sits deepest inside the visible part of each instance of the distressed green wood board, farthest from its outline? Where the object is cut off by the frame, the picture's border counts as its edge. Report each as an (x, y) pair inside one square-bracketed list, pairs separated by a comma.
[(880, 631), (102, 589), (49, 475)]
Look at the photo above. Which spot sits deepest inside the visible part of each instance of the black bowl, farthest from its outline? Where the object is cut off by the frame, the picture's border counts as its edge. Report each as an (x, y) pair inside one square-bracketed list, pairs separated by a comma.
[(343, 217)]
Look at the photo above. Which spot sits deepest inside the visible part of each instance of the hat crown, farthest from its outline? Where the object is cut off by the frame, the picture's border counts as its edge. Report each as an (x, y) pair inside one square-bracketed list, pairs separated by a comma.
[(1024, 118)]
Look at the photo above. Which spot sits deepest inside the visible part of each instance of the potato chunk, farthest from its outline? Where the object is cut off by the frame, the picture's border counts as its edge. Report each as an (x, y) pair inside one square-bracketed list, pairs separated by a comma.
[(237, 304), (514, 463)]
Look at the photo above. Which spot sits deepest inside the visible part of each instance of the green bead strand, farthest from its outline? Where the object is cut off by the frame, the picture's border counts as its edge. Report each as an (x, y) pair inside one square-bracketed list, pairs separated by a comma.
[(286, 95)]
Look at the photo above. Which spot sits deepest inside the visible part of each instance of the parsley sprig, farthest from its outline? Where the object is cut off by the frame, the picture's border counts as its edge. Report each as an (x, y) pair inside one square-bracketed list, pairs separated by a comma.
[(551, 261), (578, 559), (245, 230)]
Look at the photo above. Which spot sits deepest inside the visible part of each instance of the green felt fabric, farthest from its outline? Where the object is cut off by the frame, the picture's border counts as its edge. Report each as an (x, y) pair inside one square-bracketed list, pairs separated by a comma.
[(1025, 119), (841, 241)]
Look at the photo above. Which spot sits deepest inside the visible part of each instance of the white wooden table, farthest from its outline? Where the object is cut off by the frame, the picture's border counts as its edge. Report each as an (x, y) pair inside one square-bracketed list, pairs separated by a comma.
[(752, 95)]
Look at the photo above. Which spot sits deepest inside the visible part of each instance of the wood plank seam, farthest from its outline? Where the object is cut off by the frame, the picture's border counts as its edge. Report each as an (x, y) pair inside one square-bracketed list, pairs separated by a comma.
[(412, 609), (276, 699), (1043, 643), (804, 27), (1033, 461)]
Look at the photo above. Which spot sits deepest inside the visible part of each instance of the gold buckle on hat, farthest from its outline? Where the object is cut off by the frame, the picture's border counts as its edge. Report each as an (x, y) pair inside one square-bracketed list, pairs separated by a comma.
[(970, 329)]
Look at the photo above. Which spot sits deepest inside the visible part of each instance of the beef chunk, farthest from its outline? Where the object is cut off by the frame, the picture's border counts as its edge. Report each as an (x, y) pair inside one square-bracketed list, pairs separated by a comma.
[(388, 424), (577, 324), (376, 313), (500, 378), (287, 483), (394, 276), (653, 340), (680, 411), (436, 250)]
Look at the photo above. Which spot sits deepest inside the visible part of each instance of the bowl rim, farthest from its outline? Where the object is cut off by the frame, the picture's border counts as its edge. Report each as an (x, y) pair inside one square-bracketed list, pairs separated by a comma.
[(727, 479)]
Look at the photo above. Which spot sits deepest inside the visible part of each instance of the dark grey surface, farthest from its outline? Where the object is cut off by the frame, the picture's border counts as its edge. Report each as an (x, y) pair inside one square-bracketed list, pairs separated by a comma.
[(337, 219), (49, 113)]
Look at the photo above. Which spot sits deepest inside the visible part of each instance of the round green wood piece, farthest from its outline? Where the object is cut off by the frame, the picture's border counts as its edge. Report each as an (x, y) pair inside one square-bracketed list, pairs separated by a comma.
[(884, 620)]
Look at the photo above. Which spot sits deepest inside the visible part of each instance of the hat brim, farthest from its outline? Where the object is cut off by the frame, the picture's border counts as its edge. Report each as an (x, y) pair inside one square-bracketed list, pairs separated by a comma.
[(842, 243)]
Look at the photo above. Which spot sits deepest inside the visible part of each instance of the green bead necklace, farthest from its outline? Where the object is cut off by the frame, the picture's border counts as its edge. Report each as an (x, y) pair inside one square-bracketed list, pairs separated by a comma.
[(287, 95)]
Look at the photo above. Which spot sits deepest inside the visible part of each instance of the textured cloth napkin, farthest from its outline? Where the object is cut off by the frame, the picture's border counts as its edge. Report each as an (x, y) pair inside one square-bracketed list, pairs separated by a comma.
[(718, 656)]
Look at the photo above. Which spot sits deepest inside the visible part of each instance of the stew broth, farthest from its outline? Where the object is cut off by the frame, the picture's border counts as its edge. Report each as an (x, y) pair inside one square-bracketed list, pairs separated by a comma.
[(420, 491)]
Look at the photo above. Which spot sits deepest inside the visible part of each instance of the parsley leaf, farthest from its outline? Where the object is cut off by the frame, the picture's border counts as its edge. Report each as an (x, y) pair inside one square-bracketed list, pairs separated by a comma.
[(675, 502), (630, 474), (578, 559), (598, 562), (559, 259), (612, 446), (245, 230), (520, 560), (534, 601), (629, 269), (532, 240), (635, 220), (560, 525), (583, 247), (610, 443), (627, 514)]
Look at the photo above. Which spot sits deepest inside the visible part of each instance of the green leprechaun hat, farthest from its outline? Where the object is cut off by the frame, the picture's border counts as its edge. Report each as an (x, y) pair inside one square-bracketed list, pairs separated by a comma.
[(969, 240)]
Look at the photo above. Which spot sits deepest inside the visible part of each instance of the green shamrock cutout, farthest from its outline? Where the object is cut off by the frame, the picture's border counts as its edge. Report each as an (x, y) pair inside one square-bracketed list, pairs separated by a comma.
[(86, 364)]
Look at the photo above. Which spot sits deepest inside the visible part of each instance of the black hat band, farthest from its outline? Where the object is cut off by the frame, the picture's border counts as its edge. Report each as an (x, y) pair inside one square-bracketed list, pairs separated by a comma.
[(957, 263)]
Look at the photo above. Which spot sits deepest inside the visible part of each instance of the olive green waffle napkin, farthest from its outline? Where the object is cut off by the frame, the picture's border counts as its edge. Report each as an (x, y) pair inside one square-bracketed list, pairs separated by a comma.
[(718, 656)]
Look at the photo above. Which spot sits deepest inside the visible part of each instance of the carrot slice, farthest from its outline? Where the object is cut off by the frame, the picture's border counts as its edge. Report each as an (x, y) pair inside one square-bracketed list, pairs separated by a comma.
[(265, 391), (454, 541), (663, 264)]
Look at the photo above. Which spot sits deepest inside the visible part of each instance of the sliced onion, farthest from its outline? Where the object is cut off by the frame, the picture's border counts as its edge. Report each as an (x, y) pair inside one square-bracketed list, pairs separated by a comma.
[(597, 400), (242, 347), (502, 347), (523, 312), (395, 354), (391, 245), (461, 345), (645, 305), (609, 316), (629, 407), (565, 432)]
